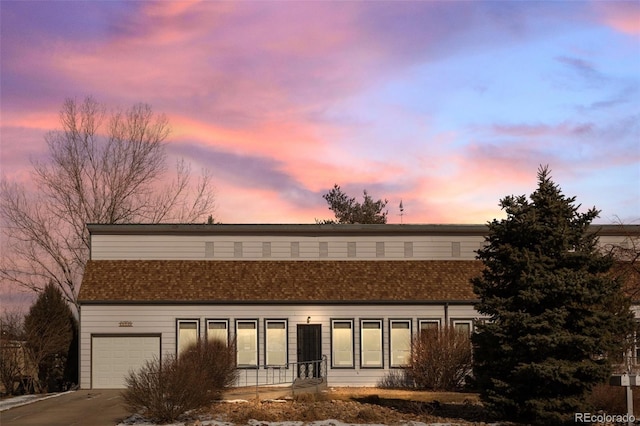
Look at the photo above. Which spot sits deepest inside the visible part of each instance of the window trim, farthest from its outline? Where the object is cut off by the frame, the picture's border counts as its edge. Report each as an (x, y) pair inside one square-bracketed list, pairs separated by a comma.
[(399, 320), (470, 321), (267, 321), (429, 320), (351, 322), (179, 321), (381, 324), (257, 351), (213, 320)]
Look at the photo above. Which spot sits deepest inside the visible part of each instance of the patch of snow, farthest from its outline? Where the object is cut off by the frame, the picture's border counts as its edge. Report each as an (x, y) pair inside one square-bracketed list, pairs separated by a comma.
[(233, 401), (18, 401), (259, 423)]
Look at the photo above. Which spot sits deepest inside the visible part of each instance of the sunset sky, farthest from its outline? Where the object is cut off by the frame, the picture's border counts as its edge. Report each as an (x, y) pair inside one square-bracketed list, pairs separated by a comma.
[(447, 106)]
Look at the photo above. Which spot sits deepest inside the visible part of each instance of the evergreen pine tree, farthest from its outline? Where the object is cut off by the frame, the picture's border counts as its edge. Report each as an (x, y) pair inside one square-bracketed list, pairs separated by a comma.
[(554, 312), (49, 331), (348, 210)]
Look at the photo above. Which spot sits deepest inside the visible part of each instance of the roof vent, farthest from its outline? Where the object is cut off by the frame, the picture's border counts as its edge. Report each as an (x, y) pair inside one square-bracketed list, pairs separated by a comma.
[(208, 249)]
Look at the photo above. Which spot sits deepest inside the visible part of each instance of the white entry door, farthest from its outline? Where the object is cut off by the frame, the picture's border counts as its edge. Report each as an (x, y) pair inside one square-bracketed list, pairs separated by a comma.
[(114, 356)]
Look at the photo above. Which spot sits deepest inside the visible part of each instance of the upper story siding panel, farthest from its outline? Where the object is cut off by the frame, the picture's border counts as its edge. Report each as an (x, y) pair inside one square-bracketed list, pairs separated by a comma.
[(198, 247), (304, 242)]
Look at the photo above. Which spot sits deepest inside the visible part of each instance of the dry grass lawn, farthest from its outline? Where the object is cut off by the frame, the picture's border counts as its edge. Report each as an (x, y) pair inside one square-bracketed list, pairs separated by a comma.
[(358, 405)]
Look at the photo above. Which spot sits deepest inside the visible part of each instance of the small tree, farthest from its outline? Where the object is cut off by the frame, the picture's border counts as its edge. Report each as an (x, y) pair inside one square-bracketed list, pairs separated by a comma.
[(348, 210), (555, 312), (440, 359), (49, 329), (164, 390)]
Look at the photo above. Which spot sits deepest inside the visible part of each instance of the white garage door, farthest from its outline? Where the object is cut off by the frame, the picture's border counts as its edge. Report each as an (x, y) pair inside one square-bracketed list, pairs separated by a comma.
[(114, 356)]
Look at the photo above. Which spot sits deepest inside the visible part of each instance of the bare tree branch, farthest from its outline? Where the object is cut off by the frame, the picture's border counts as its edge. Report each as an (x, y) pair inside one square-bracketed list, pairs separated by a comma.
[(102, 168), (627, 256)]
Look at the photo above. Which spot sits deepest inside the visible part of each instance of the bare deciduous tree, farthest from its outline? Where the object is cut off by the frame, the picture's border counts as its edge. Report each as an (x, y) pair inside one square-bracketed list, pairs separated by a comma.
[(102, 168), (627, 256)]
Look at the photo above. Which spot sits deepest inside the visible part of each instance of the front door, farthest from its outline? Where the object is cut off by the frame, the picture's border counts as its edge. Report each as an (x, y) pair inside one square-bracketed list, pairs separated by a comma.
[(309, 350)]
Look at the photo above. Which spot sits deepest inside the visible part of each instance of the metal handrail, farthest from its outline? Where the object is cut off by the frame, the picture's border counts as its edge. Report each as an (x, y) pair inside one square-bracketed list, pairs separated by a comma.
[(286, 374)]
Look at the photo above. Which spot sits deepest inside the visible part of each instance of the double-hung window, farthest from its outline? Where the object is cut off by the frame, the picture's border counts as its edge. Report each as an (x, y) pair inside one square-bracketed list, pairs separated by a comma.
[(429, 326), (276, 342), (247, 343), (463, 326), (342, 343), (371, 344), (188, 332), (399, 342), (218, 330)]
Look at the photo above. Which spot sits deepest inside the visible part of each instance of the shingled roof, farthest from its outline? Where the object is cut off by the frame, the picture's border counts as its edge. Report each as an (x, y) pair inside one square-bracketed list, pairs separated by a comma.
[(191, 281)]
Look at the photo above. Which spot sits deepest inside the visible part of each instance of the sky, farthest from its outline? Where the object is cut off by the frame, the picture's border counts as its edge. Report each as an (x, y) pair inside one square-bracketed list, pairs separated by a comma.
[(448, 106)]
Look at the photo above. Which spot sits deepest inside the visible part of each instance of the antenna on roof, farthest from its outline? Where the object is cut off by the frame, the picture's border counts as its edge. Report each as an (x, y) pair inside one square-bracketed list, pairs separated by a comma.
[(401, 211)]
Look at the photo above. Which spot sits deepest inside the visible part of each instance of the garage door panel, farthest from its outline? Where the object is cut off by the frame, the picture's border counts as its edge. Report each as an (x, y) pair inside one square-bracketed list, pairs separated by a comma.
[(114, 357)]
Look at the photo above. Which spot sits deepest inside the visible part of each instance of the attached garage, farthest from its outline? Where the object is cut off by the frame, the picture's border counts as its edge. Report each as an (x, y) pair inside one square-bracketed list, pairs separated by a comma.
[(113, 357)]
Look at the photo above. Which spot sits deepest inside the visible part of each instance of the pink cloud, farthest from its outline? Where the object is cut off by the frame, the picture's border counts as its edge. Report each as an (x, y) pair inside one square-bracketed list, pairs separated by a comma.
[(623, 16), (264, 80)]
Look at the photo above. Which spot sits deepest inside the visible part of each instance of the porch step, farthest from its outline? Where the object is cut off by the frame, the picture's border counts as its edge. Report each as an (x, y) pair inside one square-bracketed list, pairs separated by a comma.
[(303, 383)]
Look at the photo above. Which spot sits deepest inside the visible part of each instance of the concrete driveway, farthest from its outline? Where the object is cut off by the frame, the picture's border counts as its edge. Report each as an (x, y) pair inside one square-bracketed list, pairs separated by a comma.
[(83, 407)]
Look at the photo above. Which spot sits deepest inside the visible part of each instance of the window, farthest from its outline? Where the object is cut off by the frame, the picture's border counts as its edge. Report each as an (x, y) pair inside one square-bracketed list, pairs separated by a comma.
[(342, 343), (429, 325), (371, 344), (218, 330), (399, 342), (188, 332), (465, 326), (276, 342), (247, 343)]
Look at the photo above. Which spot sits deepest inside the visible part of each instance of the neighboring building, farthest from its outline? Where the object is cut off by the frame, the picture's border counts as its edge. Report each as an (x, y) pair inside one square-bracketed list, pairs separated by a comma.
[(355, 294), (17, 372)]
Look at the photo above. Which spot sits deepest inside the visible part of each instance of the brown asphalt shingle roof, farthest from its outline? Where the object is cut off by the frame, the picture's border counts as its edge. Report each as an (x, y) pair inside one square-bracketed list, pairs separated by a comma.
[(277, 281)]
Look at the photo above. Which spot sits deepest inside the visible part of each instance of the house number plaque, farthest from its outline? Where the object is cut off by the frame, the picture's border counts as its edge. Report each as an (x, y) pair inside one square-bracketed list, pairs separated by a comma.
[(125, 324)]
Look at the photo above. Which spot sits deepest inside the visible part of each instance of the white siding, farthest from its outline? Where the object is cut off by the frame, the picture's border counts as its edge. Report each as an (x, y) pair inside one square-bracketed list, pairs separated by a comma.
[(609, 241), (199, 247), (162, 320)]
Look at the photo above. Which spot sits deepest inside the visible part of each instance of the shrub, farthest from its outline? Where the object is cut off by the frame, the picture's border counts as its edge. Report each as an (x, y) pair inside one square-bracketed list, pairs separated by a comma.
[(396, 379), (215, 362), (440, 359), (608, 399), (165, 389)]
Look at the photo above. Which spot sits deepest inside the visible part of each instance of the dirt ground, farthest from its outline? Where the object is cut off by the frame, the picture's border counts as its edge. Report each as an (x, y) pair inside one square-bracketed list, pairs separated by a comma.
[(359, 405)]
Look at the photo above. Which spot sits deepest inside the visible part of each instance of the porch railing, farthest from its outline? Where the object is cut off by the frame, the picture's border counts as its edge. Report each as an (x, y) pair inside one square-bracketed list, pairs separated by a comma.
[(294, 374)]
